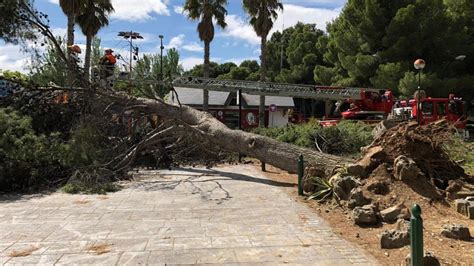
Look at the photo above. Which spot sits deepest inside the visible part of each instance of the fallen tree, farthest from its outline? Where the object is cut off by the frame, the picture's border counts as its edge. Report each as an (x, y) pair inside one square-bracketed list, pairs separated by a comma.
[(279, 154), (181, 122)]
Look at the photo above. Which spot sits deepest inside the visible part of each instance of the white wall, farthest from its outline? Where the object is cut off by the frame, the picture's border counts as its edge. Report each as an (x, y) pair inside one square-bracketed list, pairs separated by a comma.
[(278, 118)]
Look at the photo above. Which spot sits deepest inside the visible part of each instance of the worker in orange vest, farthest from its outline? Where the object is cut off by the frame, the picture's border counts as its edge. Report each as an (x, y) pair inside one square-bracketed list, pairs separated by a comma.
[(108, 62)]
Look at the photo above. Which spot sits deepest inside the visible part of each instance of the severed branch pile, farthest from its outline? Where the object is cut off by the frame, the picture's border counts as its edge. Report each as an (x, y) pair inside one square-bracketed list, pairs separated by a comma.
[(182, 130)]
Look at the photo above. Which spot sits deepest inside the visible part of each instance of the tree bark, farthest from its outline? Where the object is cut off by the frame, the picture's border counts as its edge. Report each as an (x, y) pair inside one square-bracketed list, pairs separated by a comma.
[(70, 41), (205, 104), (87, 60), (263, 77), (267, 150), (70, 29)]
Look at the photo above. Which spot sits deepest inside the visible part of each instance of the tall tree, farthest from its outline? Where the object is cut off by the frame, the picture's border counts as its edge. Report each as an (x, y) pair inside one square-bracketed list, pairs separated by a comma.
[(205, 11), (71, 9), (262, 15), (15, 20), (48, 67), (303, 51), (94, 15), (96, 51), (369, 45), (149, 67)]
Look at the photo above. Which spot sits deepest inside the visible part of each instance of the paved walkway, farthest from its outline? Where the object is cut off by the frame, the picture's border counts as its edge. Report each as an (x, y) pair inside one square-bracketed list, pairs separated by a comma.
[(222, 216)]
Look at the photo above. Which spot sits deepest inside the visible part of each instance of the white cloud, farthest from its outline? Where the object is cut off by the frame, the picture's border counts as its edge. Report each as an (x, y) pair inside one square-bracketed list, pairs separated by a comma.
[(189, 62), (12, 58), (136, 11), (59, 32), (293, 14), (178, 9), (193, 47), (239, 28), (334, 2), (178, 43)]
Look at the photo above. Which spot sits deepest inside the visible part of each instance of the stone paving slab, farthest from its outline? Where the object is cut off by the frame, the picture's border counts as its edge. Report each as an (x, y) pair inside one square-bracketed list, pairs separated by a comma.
[(230, 215)]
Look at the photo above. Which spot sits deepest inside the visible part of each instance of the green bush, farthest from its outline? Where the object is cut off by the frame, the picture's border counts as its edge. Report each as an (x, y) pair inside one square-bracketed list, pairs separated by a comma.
[(462, 152), (344, 139), (28, 159), (99, 188), (87, 145)]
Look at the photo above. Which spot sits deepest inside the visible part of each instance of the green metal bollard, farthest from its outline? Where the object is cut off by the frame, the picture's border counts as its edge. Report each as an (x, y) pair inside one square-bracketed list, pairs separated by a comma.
[(264, 169), (416, 236), (300, 175)]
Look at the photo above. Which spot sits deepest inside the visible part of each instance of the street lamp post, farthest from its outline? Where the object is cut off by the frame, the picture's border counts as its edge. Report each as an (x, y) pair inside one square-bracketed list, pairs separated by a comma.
[(132, 36), (419, 65), (161, 57)]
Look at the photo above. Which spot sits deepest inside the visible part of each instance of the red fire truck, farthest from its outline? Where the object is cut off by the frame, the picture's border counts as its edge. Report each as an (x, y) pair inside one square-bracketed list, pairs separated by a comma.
[(374, 107)]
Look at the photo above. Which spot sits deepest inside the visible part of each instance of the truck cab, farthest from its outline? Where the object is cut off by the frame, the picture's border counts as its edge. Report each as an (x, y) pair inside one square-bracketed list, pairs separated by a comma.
[(434, 109)]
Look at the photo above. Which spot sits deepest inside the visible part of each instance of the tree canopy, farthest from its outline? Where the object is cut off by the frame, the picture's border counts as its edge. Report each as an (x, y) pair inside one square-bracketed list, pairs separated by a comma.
[(374, 43)]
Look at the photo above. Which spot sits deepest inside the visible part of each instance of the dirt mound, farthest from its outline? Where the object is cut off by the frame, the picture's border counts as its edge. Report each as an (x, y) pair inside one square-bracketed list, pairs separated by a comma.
[(424, 145)]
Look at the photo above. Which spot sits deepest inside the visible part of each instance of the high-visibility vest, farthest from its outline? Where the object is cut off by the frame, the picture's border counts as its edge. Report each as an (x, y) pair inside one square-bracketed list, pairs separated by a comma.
[(111, 58)]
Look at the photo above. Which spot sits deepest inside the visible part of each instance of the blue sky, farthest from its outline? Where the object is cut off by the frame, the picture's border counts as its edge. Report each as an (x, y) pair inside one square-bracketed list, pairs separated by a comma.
[(151, 18)]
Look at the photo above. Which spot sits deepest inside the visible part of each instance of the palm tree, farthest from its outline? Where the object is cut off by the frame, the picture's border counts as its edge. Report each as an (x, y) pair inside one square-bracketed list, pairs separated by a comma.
[(94, 16), (206, 11), (71, 9), (262, 15)]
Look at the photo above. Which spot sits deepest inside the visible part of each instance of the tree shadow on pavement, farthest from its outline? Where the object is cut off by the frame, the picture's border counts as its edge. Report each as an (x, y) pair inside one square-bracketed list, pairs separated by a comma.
[(204, 182), (237, 176), (6, 197)]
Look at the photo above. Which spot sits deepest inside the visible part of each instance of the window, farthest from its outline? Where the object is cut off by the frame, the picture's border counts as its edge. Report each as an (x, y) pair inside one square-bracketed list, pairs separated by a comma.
[(231, 119), (441, 109), (427, 108)]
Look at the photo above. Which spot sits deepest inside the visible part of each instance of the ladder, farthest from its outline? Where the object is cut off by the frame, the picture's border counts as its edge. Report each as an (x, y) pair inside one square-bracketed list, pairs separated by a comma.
[(271, 89)]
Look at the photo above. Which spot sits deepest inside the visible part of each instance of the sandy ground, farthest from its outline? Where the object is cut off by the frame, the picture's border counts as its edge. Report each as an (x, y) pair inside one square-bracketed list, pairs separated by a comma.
[(435, 215)]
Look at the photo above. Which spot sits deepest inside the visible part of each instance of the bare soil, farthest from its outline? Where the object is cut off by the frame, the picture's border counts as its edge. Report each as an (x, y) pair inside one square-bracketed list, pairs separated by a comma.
[(434, 213)]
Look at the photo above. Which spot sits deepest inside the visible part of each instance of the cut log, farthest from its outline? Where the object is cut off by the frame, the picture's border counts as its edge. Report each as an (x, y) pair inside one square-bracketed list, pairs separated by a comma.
[(267, 150)]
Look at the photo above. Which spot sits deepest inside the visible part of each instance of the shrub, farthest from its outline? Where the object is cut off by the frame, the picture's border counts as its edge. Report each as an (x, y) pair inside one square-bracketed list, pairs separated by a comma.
[(87, 145), (462, 152), (99, 188), (344, 139), (28, 159)]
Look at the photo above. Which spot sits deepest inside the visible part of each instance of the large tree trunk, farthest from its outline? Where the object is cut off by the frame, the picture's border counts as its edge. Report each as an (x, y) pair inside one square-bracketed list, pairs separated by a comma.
[(87, 63), (263, 77), (267, 150), (70, 29), (70, 41), (205, 104)]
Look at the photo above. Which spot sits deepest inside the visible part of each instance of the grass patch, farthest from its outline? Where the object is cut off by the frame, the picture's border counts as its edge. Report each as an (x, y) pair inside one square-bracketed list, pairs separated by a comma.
[(76, 188), (461, 152)]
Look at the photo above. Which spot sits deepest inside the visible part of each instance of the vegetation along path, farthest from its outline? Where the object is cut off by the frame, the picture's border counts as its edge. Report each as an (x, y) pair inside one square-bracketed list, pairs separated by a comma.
[(229, 214)]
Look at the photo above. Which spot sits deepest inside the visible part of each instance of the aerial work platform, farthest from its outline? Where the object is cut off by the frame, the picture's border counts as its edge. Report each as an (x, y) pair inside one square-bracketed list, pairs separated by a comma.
[(271, 89)]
